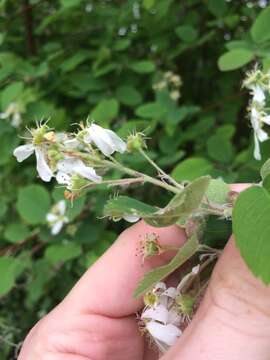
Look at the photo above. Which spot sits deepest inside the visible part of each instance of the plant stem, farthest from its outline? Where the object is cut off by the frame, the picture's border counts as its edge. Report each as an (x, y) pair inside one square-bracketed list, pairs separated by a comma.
[(166, 176), (117, 165), (119, 182)]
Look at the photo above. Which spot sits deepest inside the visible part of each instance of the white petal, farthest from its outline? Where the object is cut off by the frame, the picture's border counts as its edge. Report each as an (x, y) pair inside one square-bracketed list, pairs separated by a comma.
[(258, 94), (67, 165), (131, 218), (261, 135), (266, 119), (23, 152), (174, 318), (56, 228), (72, 143), (87, 172), (61, 207), (171, 292), (50, 217), (256, 153), (168, 334), (159, 286), (105, 140), (158, 313), (119, 144), (42, 167), (62, 178)]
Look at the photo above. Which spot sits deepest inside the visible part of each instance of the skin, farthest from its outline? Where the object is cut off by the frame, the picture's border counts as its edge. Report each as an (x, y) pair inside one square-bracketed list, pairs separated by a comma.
[(97, 319)]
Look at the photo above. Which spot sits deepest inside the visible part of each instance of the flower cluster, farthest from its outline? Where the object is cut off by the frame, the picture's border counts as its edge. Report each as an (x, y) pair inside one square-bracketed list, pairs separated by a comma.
[(167, 311), (71, 160), (172, 82), (258, 83)]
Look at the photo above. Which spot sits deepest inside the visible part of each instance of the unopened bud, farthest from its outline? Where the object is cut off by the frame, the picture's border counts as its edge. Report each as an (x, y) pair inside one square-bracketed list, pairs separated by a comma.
[(135, 142)]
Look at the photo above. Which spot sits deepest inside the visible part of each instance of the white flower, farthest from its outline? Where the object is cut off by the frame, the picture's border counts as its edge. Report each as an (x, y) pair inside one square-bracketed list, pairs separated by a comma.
[(258, 118), (161, 318), (104, 139), (167, 334), (56, 217), (73, 166), (24, 151), (13, 112)]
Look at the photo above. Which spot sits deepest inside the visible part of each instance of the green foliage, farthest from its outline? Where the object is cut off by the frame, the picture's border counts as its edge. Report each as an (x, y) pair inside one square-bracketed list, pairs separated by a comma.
[(103, 60), (251, 229)]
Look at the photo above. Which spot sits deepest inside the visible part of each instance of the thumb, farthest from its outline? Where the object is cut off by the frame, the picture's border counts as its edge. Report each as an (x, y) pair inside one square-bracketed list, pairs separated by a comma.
[(233, 321)]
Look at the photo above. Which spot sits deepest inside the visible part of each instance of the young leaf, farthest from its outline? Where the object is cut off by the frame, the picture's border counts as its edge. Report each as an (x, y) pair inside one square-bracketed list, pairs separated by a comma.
[(124, 205), (251, 228), (156, 275)]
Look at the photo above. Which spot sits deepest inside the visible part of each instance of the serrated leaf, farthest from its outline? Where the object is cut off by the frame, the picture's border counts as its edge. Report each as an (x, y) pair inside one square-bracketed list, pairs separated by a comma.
[(260, 30), (251, 228), (234, 59), (160, 273)]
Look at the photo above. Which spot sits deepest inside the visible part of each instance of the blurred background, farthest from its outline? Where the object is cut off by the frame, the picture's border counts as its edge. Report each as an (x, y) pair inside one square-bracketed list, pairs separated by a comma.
[(156, 66)]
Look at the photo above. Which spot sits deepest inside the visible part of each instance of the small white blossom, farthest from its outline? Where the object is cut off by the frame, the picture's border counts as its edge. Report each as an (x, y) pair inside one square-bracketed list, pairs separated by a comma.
[(12, 112), (72, 166), (161, 319), (24, 151), (56, 217), (258, 118), (104, 139)]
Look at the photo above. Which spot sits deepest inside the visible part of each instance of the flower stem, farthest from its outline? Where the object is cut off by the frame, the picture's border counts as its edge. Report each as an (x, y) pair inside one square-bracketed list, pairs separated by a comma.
[(117, 165), (160, 171)]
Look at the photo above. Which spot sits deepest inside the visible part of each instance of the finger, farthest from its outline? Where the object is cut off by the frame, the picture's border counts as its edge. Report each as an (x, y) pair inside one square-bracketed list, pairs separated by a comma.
[(233, 321), (107, 287)]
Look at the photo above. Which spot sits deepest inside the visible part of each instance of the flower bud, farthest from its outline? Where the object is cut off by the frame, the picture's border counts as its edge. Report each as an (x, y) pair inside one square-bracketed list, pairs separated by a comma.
[(135, 142)]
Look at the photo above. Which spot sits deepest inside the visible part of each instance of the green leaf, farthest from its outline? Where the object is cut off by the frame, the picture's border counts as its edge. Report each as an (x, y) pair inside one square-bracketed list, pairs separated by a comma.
[(105, 111), (70, 3), (143, 67), (152, 110), (10, 93), (251, 228), (265, 169), (181, 205), (260, 30), (235, 59), (148, 4), (191, 169), (156, 275), (33, 204), (75, 60), (217, 7), (124, 205), (217, 191), (266, 183), (60, 253), (75, 208), (128, 95), (8, 273), (187, 33), (16, 232), (220, 149)]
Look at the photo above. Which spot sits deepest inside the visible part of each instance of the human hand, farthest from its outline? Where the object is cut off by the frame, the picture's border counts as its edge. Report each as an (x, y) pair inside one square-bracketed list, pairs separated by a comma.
[(97, 320)]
